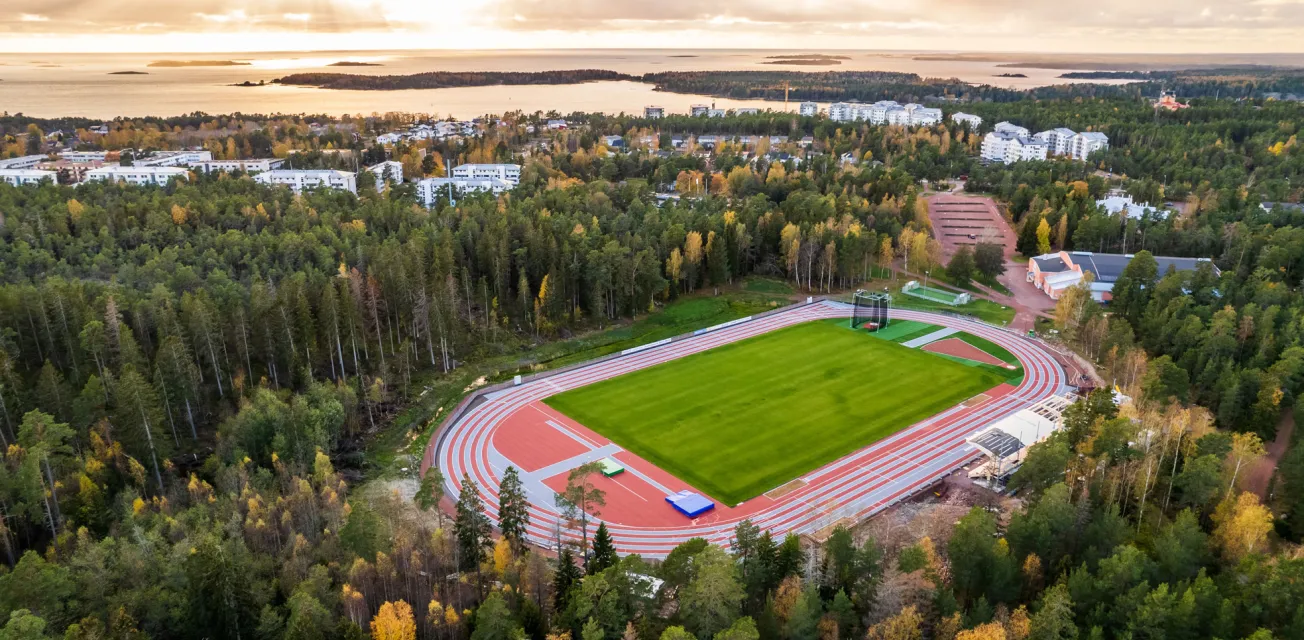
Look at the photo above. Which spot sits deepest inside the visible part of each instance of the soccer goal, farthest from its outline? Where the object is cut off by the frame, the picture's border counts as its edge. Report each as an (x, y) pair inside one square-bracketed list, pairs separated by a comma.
[(870, 309), (913, 288)]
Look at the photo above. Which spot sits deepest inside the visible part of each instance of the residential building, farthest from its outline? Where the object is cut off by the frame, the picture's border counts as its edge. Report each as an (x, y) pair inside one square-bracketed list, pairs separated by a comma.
[(22, 162), (654, 112), (1118, 203), (893, 115), (20, 177), (613, 142), (1086, 142), (715, 113), (509, 173), (1055, 272), (699, 110), (387, 170), (925, 116), (557, 125), (808, 109), (247, 166), (431, 188), (1031, 149), (1006, 127), (746, 111), (174, 159), (960, 117), (1059, 142), (139, 176), (1009, 147), (299, 180), (840, 112), (86, 156)]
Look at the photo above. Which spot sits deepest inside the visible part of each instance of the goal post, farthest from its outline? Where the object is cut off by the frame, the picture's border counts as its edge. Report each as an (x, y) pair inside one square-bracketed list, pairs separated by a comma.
[(870, 308)]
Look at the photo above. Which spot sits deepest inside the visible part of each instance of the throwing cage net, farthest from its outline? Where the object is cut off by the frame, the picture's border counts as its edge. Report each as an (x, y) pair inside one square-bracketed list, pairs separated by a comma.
[(870, 310)]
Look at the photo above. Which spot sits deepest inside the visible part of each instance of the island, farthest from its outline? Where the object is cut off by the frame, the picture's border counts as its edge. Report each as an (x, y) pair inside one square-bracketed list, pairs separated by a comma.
[(351, 63), (447, 79), (198, 63), (128, 73), (249, 83), (1011, 75)]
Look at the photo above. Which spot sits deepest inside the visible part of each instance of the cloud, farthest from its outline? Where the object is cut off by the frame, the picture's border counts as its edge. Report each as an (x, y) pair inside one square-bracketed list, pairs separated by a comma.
[(994, 17), (71, 17)]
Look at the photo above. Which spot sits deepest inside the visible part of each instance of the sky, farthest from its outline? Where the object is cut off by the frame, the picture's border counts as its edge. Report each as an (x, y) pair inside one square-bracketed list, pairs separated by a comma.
[(1098, 26)]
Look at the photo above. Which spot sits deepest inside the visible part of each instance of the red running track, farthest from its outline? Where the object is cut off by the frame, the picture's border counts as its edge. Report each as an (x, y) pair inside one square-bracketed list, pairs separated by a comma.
[(515, 428)]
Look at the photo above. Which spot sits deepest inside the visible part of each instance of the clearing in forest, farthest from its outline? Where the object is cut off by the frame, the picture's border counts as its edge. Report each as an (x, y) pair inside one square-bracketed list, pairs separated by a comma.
[(746, 417)]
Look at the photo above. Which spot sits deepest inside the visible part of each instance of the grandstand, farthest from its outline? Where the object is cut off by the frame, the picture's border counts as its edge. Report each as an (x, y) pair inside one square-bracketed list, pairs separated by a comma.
[(1006, 442), (913, 288)]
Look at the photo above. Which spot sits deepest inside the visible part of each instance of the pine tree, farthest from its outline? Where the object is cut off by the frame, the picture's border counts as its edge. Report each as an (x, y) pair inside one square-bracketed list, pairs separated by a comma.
[(604, 551), (513, 510)]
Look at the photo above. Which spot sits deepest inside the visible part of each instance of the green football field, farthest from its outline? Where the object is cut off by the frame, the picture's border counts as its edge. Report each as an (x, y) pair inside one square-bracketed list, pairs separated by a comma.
[(744, 418)]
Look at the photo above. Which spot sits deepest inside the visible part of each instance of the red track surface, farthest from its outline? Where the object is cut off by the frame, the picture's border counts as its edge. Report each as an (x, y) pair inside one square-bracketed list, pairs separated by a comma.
[(514, 428), (961, 349)]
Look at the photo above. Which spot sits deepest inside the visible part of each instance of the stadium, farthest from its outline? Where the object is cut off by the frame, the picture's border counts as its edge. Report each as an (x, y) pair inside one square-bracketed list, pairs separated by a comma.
[(798, 419)]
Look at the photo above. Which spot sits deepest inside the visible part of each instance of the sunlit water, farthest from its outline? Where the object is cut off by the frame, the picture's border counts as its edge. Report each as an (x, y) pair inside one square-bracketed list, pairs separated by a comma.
[(83, 85)]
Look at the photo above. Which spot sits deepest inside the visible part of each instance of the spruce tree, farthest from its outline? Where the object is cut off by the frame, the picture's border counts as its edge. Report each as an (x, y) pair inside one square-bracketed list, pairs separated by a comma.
[(567, 576), (604, 551), (513, 510), (471, 527)]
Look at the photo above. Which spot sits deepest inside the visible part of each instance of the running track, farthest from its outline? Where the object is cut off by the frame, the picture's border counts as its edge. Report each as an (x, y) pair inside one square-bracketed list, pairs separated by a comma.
[(855, 486)]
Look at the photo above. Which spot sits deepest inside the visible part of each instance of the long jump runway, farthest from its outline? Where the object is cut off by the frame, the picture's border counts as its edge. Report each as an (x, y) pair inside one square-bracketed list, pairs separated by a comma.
[(514, 427)]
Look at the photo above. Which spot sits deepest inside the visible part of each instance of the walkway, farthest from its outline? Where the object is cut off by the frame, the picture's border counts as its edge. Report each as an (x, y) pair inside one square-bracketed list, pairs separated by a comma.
[(932, 337)]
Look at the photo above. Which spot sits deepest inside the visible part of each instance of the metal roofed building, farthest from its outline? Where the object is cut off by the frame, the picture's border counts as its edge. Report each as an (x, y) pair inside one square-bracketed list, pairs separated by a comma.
[(1055, 272), (1006, 442)]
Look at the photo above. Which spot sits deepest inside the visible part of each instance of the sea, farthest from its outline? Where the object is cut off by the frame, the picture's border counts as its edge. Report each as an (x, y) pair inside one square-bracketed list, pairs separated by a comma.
[(134, 85)]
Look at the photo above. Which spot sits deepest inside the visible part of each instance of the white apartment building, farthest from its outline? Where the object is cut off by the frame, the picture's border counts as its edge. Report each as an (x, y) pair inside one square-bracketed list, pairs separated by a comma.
[(298, 180), (247, 166), (431, 188), (557, 125), (715, 113), (699, 110), (175, 159), (897, 116), (960, 117), (746, 111), (1005, 127), (83, 156), (885, 112), (1086, 142), (1008, 147), (387, 170), (1058, 141), (509, 173), (22, 162), (808, 109), (20, 177), (654, 112), (925, 116), (139, 176)]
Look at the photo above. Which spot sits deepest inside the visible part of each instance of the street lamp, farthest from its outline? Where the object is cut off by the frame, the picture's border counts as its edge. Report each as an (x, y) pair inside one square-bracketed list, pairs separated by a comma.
[(926, 278)]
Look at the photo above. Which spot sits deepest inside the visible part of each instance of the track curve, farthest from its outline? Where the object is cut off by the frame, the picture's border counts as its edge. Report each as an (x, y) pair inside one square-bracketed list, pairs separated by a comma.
[(854, 486)]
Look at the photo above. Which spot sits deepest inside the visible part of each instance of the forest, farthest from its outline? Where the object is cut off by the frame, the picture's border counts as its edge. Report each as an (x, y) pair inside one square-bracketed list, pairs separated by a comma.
[(186, 371)]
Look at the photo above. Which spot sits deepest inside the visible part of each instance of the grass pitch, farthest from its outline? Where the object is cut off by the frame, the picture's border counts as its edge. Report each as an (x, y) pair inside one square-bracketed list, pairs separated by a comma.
[(743, 418)]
